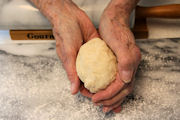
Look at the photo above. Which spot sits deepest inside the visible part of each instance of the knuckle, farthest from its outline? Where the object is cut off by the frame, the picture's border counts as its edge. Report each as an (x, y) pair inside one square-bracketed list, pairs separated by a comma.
[(126, 61)]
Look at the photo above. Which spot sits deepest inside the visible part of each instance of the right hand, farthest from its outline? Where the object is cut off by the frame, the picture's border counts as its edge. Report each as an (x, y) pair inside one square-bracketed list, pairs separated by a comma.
[(114, 30), (71, 27)]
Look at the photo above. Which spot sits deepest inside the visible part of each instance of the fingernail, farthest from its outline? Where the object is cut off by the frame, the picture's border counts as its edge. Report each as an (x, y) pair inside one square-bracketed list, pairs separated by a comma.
[(126, 76), (106, 109)]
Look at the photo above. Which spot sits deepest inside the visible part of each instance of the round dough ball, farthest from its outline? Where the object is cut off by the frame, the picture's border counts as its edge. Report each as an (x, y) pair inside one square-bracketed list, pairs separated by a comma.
[(96, 65)]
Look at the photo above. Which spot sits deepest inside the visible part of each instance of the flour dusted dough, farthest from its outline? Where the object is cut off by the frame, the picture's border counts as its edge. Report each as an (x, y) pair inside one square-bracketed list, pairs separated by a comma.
[(96, 65)]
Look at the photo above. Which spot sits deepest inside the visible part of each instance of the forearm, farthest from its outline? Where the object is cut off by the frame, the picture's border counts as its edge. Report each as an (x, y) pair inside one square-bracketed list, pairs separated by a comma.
[(121, 9), (125, 6), (42, 4), (50, 8)]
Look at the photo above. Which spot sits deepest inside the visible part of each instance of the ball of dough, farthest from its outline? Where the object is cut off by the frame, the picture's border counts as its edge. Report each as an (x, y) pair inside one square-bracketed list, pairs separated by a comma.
[(96, 65)]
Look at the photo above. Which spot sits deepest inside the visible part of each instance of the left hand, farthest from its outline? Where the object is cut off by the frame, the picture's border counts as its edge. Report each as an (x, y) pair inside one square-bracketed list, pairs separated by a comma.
[(120, 39)]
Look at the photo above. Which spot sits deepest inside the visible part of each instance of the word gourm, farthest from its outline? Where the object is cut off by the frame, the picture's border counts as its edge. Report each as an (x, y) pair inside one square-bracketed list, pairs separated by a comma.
[(39, 36)]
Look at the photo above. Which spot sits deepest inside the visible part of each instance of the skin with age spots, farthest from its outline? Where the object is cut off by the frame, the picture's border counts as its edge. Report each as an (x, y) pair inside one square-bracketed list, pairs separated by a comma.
[(64, 14), (72, 27)]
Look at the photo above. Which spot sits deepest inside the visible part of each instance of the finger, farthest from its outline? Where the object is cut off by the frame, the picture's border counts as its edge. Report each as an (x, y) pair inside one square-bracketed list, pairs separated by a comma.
[(88, 29), (58, 44), (67, 54), (85, 92), (126, 69), (126, 75), (125, 65), (118, 109), (69, 65), (109, 108), (110, 91), (121, 95)]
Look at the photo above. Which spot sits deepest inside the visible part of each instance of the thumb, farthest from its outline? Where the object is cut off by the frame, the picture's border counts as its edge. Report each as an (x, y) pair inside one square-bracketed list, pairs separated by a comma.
[(126, 75), (125, 67), (70, 67)]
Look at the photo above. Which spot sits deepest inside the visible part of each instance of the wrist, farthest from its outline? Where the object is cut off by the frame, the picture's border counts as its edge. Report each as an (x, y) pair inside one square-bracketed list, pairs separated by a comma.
[(120, 10), (52, 8), (114, 15), (44, 4)]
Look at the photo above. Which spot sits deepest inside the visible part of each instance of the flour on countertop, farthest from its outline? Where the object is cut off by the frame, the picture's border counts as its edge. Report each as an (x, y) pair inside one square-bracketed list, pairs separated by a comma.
[(35, 86)]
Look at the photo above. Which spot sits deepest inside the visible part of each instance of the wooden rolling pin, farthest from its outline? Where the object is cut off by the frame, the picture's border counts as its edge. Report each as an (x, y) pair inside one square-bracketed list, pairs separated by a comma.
[(140, 29), (165, 11)]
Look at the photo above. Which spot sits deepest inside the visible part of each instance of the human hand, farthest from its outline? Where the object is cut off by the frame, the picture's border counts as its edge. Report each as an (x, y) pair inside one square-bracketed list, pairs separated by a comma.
[(71, 27), (115, 31)]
